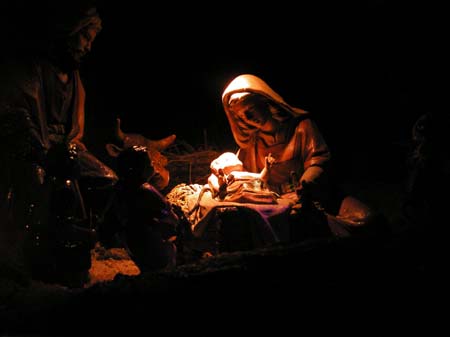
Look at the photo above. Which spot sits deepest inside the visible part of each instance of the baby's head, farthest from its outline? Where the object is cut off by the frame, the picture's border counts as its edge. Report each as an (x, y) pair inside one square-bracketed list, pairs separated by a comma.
[(228, 162)]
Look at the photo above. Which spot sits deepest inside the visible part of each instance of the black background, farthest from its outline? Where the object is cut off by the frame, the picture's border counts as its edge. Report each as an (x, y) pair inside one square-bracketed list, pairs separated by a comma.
[(365, 69)]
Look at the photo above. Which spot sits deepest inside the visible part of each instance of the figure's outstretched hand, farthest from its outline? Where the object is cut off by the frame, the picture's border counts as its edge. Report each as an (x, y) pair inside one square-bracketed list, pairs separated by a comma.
[(265, 173), (80, 147), (303, 192), (301, 197), (222, 184), (269, 160)]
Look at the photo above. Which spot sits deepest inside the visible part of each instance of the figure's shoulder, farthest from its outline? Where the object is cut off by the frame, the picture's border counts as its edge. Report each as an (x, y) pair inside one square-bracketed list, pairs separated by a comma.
[(307, 127), (303, 123), (20, 73)]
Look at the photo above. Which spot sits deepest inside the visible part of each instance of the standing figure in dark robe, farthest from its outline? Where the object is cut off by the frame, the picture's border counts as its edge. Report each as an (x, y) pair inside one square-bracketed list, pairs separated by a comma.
[(264, 124), (428, 175), (42, 114)]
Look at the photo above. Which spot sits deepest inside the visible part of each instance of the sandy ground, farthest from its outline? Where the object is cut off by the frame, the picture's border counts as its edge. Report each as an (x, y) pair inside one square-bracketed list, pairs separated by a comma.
[(325, 274), (107, 263)]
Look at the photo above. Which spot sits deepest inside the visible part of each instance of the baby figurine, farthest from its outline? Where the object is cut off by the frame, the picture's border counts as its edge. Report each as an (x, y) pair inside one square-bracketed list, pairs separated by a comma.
[(228, 169)]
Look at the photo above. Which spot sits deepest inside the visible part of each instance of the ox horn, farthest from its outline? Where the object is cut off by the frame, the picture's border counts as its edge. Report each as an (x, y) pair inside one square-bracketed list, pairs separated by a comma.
[(119, 133), (163, 143)]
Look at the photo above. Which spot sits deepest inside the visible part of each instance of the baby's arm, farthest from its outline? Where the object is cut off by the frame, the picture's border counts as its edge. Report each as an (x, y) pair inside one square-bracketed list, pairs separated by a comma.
[(218, 183), (265, 173), (213, 182)]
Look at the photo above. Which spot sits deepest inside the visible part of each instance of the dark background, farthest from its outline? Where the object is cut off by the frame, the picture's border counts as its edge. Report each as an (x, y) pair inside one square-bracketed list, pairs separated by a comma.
[(365, 69)]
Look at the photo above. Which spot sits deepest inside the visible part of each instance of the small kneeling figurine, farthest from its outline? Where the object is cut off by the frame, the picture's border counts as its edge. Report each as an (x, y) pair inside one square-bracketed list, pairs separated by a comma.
[(146, 217)]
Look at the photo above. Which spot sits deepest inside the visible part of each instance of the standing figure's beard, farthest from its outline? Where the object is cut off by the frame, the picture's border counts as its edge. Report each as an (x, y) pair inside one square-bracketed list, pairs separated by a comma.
[(66, 58)]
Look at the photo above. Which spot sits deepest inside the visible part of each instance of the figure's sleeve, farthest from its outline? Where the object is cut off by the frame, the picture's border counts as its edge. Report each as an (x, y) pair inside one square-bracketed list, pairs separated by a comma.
[(20, 134), (314, 150), (77, 132), (16, 140)]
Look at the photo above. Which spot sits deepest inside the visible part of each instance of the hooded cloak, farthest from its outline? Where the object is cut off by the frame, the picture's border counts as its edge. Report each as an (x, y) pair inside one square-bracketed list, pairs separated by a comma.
[(298, 147)]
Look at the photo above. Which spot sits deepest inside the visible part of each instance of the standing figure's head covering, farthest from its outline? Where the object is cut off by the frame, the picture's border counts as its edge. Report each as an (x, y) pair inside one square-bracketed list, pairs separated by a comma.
[(72, 29), (88, 19), (69, 20), (239, 89)]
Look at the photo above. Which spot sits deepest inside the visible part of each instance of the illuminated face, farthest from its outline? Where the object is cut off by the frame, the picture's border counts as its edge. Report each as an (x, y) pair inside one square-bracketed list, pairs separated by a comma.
[(254, 114), (79, 44)]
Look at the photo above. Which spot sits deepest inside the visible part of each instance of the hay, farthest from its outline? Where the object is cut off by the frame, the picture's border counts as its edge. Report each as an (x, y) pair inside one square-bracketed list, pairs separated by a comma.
[(191, 168)]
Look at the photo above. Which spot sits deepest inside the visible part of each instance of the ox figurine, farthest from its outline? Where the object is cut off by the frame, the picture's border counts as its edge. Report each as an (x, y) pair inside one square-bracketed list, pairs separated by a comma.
[(160, 175)]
